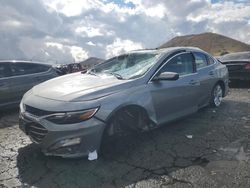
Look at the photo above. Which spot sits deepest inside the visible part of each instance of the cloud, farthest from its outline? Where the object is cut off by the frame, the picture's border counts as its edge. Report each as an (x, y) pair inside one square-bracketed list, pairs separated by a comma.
[(221, 12), (78, 53), (91, 43), (228, 18), (88, 31), (120, 46), (69, 7), (72, 30)]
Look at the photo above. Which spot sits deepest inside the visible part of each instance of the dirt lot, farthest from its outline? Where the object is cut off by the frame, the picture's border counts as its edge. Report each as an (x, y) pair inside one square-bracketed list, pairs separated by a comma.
[(208, 149)]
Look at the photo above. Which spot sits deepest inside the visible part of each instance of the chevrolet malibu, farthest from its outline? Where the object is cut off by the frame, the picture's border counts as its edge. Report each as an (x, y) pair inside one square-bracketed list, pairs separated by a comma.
[(70, 116)]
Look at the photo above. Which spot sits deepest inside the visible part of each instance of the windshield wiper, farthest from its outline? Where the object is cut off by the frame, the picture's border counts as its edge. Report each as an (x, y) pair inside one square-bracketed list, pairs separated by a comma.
[(118, 76), (92, 73)]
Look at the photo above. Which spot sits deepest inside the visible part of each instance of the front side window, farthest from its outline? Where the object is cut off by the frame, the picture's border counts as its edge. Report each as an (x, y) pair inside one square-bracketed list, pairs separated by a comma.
[(27, 68), (128, 66), (200, 60), (182, 64), (4, 70)]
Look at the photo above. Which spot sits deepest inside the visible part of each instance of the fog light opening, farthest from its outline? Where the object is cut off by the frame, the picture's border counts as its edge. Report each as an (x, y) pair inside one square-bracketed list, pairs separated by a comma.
[(69, 142), (66, 146)]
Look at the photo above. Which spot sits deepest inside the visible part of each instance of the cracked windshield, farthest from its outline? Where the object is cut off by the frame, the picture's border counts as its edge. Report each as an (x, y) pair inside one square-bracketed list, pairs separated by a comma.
[(127, 66)]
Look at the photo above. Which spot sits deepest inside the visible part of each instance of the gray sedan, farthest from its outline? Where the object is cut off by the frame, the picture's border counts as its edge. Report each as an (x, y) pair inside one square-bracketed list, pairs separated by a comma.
[(70, 116), (17, 77)]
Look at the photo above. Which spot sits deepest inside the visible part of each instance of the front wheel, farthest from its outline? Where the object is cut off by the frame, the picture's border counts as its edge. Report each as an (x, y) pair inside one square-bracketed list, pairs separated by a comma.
[(127, 121), (217, 95)]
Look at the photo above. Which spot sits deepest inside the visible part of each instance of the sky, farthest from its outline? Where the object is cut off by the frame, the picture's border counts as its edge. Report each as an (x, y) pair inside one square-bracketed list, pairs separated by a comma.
[(65, 31)]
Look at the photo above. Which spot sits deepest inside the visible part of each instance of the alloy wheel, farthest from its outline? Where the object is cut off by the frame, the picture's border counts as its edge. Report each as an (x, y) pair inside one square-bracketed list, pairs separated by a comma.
[(217, 94)]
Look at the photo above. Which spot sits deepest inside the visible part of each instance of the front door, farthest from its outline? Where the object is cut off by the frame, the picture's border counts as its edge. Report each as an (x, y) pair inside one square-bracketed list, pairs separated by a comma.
[(177, 98)]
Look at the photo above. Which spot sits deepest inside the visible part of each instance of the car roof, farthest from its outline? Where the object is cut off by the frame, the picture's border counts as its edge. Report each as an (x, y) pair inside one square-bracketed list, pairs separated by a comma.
[(21, 61), (170, 49)]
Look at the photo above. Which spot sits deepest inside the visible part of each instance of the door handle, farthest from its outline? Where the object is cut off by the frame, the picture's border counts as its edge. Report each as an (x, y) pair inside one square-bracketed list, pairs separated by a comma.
[(193, 82), (211, 73)]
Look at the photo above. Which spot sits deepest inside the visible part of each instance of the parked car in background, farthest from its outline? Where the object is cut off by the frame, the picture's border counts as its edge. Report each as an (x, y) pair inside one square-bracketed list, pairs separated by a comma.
[(68, 68), (71, 115), (74, 67), (61, 69), (238, 65), (17, 77)]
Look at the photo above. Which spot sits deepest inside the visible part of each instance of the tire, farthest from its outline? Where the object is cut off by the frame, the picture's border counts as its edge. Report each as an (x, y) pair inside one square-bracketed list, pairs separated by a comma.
[(216, 95)]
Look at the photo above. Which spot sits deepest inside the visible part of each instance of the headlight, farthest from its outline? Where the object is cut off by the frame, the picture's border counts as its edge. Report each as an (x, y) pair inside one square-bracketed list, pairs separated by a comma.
[(72, 117)]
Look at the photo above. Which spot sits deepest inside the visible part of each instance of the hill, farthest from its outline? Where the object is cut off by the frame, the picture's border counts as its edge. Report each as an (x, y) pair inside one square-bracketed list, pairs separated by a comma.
[(211, 42), (90, 62)]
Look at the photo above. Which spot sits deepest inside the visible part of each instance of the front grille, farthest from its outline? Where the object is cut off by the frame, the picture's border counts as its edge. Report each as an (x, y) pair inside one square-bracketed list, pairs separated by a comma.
[(36, 131), (36, 111), (31, 127)]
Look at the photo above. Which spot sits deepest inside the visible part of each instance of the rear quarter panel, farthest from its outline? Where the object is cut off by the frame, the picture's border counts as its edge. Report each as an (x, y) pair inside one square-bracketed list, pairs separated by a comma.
[(222, 75)]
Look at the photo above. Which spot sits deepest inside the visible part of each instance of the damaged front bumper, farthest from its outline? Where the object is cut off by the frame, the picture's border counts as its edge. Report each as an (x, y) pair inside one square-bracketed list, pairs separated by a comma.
[(68, 141)]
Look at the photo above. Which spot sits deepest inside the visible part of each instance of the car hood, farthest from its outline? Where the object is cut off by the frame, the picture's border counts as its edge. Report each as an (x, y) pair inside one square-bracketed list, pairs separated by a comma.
[(80, 87)]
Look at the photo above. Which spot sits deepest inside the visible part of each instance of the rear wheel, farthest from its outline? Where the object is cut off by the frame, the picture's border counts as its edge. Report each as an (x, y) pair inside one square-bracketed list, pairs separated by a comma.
[(217, 95)]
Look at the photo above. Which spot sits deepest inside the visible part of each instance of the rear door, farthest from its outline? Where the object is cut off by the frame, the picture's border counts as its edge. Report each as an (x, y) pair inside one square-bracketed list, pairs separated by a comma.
[(25, 76), (206, 74), (176, 98), (5, 91)]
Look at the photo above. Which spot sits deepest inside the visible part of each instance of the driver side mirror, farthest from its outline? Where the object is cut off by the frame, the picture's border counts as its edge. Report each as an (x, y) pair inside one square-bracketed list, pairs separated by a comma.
[(166, 76)]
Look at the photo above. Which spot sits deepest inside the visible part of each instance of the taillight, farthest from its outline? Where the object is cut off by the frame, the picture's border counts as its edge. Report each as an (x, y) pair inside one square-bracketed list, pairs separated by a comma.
[(247, 66)]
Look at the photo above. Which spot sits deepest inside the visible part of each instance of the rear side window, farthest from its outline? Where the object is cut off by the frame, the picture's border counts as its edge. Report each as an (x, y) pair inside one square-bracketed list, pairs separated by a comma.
[(27, 68), (4, 70), (182, 64), (200, 60)]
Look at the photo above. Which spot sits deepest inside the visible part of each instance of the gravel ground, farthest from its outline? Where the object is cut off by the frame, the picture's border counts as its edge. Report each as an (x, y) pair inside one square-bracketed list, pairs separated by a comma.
[(208, 149)]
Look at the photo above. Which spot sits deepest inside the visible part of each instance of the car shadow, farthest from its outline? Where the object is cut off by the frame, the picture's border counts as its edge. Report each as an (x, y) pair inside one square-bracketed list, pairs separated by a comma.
[(194, 140), (8, 117)]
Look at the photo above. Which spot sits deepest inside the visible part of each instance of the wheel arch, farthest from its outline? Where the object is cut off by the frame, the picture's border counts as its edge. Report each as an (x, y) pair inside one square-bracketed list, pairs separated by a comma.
[(124, 106)]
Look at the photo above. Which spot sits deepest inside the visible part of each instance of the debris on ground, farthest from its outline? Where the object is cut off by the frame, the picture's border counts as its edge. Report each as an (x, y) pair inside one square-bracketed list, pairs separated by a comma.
[(189, 136), (92, 156), (245, 118)]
